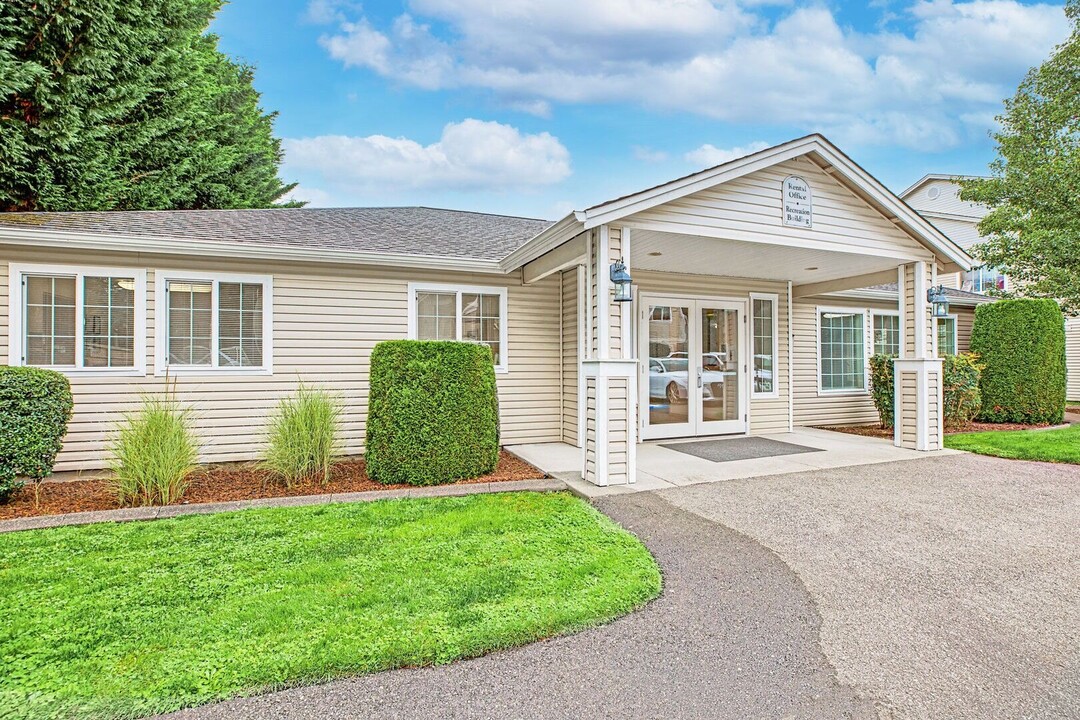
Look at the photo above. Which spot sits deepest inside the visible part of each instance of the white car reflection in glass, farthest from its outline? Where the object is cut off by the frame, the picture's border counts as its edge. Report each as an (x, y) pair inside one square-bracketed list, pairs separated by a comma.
[(668, 380)]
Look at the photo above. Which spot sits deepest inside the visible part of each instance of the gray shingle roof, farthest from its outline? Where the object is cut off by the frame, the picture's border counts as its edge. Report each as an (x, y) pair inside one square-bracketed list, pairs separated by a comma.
[(389, 230), (954, 293)]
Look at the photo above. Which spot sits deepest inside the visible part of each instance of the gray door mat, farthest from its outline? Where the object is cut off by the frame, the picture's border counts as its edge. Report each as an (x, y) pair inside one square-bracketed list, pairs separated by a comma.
[(744, 448)]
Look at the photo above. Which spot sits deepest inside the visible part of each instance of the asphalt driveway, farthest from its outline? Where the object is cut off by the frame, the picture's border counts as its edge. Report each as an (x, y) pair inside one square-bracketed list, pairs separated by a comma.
[(947, 587), (938, 588)]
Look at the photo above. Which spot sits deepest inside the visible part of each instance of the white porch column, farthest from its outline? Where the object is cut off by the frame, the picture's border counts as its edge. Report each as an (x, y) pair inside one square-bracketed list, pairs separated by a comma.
[(918, 371), (609, 371)]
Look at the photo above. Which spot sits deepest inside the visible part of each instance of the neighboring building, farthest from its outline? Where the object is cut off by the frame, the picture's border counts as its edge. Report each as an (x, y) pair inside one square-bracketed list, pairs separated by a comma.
[(937, 198), (760, 291)]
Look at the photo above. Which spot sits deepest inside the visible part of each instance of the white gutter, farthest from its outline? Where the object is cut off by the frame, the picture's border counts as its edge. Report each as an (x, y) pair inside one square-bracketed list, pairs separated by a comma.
[(61, 239), (543, 242)]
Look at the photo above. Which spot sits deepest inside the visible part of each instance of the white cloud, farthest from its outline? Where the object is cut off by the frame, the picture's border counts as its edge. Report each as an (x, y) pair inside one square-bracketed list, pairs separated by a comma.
[(649, 155), (708, 155), (720, 59), (469, 155), (314, 197)]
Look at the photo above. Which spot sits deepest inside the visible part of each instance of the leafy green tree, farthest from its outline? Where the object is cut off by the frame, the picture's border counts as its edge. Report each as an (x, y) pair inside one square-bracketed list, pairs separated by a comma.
[(128, 105), (1033, 230)]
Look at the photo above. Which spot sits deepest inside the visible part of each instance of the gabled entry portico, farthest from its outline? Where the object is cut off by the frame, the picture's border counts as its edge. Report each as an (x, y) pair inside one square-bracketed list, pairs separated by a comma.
[(721, 260)]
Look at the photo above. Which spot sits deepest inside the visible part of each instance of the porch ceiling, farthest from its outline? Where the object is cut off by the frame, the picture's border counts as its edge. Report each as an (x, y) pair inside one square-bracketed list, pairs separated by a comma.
[(698, 255)]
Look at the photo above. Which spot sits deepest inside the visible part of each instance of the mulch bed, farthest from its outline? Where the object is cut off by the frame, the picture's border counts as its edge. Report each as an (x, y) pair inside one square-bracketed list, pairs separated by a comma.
[(225, 483), (879, 432)]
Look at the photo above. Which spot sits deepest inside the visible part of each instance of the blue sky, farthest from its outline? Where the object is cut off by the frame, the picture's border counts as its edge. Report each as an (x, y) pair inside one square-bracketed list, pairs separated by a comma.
[(537, 107)]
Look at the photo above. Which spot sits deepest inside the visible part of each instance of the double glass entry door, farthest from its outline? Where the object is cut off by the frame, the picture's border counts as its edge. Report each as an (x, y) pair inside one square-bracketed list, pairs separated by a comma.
[(695, 367)]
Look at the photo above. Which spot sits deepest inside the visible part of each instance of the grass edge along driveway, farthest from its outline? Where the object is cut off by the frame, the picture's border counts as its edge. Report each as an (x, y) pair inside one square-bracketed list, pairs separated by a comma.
[(1061, 445), (131, 619)]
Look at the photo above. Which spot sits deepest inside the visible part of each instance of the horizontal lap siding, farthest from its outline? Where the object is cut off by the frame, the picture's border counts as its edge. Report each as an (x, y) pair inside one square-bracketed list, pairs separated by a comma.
[(326, 322), (766, 416), (1072, 358), (750, 208), (570, 342), (947, 202), (965, 320), (812, 407)]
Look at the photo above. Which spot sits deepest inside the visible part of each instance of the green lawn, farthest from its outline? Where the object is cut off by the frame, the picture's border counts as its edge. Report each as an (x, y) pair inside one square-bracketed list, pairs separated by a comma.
[(123, 620), (1062, 446)]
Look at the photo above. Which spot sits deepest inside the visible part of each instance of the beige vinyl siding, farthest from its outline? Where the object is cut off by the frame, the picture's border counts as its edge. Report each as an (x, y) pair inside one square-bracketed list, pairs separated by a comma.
[(947, 202), (908, 403), (620, 434), (950, 280), (570, 342), (590, 427), (749, 208), (965, 234), (965, 320), (1072, 358), (326, 321), (766, 415), (812, 407), (933, 409)]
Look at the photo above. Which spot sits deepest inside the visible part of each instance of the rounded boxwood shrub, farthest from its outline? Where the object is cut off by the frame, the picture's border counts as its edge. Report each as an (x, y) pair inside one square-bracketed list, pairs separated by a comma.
[(433, 412), (35, 407), (1021, 345)]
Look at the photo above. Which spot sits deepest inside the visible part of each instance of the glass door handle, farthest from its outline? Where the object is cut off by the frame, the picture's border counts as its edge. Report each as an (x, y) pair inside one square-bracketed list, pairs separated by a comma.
[(700, 373)]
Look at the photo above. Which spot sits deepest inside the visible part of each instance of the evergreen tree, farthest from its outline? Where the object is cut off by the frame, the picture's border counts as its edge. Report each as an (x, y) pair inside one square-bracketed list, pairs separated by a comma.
[(128, 105), (1033, 228)]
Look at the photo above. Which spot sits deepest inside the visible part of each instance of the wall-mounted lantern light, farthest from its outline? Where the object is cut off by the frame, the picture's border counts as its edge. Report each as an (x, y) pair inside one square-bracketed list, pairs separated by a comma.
[(939, 301), (621, 279)]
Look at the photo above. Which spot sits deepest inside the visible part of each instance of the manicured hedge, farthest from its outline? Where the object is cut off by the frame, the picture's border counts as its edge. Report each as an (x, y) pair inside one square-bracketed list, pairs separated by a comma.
[(35, 406), (1021, 345), (433, 412)]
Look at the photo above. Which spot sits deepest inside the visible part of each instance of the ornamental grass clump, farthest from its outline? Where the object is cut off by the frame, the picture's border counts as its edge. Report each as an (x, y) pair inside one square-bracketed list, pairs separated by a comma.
[(154, 452), (304, 436)]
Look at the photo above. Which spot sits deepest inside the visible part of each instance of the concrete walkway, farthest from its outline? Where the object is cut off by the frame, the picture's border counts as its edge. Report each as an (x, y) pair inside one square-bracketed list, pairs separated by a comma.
[(661, 468), (734, 635)]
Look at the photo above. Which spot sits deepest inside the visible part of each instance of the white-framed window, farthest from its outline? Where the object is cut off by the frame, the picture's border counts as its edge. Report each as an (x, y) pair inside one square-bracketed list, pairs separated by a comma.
[(78, 319), (763, 334), (208, 323), (984, 279), (470, 313), (946, 335), (842, 366), (886, 333)]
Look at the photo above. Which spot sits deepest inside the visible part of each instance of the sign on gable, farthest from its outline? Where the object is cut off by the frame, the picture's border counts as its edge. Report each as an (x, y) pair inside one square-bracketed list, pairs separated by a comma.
[(798, 206)]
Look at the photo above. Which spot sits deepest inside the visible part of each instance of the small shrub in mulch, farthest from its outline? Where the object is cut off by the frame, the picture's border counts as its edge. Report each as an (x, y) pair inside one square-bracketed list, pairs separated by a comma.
[(225, 483), (35, 407)]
